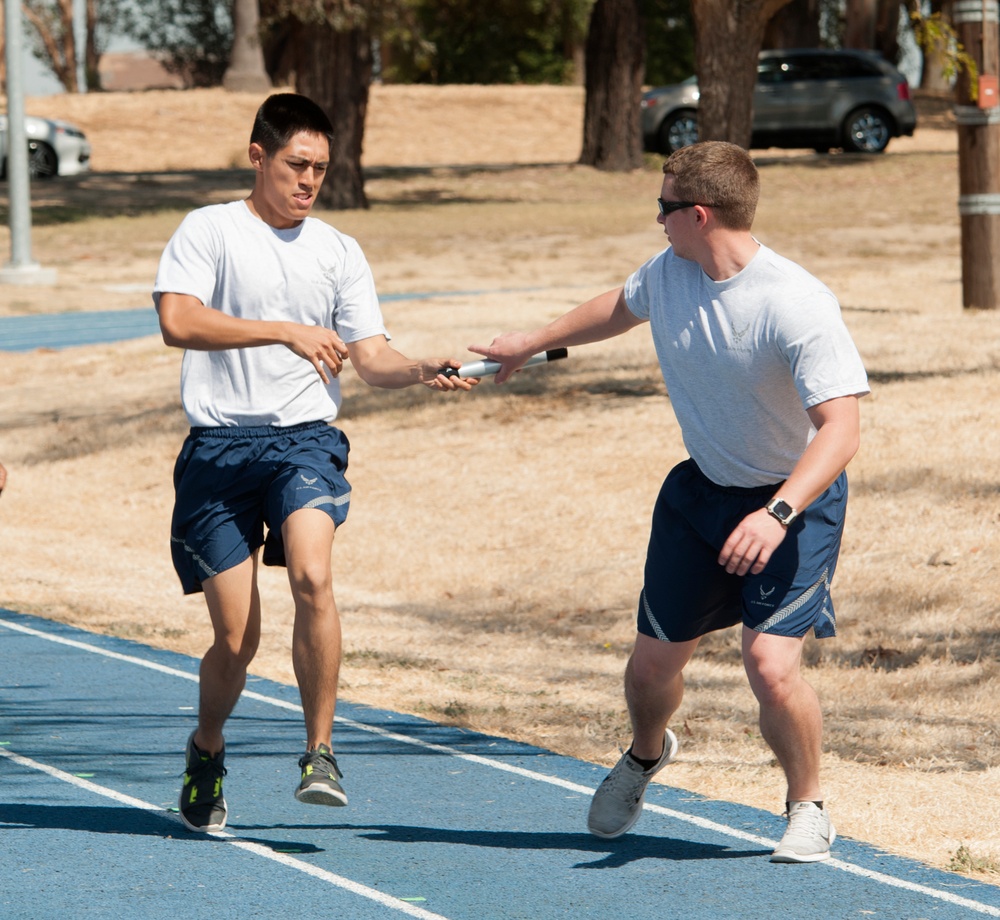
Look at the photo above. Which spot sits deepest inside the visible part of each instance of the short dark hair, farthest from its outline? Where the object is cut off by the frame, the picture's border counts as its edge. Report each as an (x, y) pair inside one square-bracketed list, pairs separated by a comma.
[(719, 174), (284, 115)]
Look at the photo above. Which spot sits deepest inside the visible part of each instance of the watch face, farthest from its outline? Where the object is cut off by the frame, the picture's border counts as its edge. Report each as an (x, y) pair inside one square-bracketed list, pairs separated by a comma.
[(781, 509)]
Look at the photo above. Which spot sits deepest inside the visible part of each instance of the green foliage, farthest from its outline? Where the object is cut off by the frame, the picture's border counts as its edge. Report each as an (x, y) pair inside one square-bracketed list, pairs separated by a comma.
[(964, 860), (192, 38), (467, 41), (669, 41), (936, 37)]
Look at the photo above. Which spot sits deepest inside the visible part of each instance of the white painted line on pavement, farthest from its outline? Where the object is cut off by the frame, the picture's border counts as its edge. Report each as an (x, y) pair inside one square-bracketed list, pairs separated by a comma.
[(702, 823), (257, 849)]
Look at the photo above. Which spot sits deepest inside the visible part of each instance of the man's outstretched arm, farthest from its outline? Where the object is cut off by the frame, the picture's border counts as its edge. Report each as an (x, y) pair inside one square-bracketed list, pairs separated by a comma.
[(602, 317)]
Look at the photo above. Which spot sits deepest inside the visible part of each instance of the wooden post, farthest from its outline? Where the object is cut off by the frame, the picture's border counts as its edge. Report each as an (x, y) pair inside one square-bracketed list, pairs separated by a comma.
[(976, 23)]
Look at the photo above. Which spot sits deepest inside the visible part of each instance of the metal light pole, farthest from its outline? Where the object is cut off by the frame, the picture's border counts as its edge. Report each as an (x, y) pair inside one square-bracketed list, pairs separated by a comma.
[(21, 269), (976, 24)]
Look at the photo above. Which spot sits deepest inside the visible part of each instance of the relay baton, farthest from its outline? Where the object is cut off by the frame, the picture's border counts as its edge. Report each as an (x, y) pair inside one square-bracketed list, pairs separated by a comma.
[(486, 368)]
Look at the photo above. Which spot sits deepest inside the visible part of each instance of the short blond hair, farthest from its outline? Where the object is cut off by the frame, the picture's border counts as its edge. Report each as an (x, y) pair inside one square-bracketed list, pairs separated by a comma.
[(720, 174)]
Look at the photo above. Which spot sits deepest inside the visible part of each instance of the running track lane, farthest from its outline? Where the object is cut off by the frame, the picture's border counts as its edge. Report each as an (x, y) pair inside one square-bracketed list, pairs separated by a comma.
[(442, 823)]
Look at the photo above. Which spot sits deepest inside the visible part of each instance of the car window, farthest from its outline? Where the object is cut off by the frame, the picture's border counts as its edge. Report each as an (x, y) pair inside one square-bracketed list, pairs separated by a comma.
[(769, 71), (786, 70), (814, 67)]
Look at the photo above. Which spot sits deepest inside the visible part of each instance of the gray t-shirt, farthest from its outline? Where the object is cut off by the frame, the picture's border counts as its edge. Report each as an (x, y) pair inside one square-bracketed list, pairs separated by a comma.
[(234, 262), (744, 358)]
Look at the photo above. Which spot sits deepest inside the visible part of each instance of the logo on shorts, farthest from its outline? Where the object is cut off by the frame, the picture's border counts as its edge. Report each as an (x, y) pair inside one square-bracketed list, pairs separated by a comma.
[(307, 481), (765, 597)]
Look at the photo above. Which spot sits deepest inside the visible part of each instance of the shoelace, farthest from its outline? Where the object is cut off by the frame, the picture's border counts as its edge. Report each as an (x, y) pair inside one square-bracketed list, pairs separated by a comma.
[(206, 767), (621, 777), (805, 822), (322, 760)]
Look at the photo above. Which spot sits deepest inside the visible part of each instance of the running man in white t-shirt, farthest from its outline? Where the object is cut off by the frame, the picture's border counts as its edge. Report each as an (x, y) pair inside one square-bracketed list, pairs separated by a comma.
[(764, 380), (268, 302)]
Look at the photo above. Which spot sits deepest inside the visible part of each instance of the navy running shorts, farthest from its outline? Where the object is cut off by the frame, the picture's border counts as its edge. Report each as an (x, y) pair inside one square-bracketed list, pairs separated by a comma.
[(232, 482), (686, 593)]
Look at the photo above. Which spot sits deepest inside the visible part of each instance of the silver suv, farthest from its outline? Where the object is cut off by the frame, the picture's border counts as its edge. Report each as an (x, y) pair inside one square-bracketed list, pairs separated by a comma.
[(855, 100)]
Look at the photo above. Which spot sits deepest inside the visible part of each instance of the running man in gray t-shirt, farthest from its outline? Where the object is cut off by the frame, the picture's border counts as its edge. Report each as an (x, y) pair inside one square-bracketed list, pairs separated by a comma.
[(764, 380)]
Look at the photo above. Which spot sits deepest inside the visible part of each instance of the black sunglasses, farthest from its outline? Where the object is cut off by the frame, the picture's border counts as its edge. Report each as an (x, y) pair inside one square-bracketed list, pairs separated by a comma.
[(668, 207)]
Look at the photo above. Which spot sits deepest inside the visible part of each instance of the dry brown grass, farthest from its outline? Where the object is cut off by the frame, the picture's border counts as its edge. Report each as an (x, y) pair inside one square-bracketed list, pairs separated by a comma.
[(522, 626)]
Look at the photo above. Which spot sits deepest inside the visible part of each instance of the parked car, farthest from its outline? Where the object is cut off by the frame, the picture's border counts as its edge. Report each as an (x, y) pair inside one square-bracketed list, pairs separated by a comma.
[(55, 148), (854, 100)]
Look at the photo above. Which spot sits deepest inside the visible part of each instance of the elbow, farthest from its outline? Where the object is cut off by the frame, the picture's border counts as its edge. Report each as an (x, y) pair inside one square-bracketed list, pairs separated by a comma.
[(172, 330), (170, 337), (850, 444)]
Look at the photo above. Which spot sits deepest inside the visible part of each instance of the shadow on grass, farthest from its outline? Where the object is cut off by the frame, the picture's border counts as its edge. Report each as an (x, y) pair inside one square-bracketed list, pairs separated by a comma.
[(75, 198)]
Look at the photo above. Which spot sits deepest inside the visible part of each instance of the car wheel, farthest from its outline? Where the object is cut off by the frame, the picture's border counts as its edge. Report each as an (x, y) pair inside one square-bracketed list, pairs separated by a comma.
[(42, 160), (679, 129), (867, 130)]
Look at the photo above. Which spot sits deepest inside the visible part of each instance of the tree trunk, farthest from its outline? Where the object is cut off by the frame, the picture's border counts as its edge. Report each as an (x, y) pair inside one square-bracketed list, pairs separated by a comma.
[(246, 73), (728, 37), (335, 71), (794, 26), (612, 130), (933, 73), (887, 29), (56, 35), (91, 51), (860, 20)]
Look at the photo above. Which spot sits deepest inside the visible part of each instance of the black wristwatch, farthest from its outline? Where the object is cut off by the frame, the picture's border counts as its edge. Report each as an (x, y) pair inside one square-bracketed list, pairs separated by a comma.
[(781, 511)]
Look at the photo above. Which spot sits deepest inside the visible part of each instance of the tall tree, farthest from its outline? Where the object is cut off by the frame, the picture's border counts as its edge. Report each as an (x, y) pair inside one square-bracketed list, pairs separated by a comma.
[(327, 46), (246, 73), (934, 74), (728, 38), (615, 66), (192, 38), (55, 43)]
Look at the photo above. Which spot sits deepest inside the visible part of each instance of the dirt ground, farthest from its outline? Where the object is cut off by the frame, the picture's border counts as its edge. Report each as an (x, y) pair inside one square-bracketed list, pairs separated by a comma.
[(488, 572)]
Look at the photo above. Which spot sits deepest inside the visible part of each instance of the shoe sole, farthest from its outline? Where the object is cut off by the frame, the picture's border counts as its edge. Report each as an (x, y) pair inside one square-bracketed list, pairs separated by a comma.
[(604, 835), (790, 857), (321, 797)]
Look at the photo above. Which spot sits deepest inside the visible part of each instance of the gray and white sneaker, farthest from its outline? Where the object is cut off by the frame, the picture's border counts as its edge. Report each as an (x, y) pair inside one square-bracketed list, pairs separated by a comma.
[(321, 778), (808, 837), (617, 803)]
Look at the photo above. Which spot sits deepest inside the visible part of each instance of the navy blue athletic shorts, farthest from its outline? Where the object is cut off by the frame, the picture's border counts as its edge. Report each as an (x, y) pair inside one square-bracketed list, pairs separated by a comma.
[(232, 482), (686, 593)]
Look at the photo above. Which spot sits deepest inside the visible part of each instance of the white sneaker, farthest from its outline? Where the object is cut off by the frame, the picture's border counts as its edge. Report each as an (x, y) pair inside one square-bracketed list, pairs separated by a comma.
[(617, 803), (808, 837)]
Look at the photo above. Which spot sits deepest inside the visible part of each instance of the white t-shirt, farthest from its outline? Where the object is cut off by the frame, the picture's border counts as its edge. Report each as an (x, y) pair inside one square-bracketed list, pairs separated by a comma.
[(236, 263), (744, 358)]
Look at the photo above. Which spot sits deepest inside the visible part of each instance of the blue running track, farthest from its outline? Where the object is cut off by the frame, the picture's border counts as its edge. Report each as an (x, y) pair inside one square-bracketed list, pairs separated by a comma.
[(442, 823)]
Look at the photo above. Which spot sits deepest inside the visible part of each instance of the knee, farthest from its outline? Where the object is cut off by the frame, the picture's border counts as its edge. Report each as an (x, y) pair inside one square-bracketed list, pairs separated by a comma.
[(310, 581), (646, 670), (772, 682), (233, 653)]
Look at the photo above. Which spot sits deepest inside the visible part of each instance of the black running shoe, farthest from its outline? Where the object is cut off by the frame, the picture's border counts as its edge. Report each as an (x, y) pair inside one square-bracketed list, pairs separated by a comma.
[(202, 806), (320, 775)]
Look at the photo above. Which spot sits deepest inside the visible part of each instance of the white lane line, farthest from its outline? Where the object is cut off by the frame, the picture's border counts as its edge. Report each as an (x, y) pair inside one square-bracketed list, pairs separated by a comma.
[(257, 849), (694, 820)]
